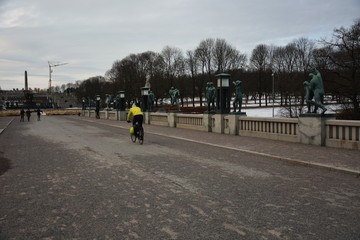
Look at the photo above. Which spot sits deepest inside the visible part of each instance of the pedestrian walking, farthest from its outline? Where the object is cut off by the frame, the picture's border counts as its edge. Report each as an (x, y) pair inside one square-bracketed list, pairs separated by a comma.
[(28, 114), (22, 115), (97, 111), (38, 113)]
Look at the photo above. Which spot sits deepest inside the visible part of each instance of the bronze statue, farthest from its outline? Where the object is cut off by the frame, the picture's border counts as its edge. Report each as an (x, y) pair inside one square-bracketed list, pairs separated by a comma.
[(108, 101), (210, 95), (315, 89), (150, 101), (238, 95), (174, 94)]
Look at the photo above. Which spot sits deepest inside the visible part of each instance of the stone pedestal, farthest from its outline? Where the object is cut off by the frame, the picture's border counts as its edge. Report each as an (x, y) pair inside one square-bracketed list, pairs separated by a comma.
[(312, 128), (207, 122), (122, 115), (231, 123), (172, 120), (219, 123), (147, 117)]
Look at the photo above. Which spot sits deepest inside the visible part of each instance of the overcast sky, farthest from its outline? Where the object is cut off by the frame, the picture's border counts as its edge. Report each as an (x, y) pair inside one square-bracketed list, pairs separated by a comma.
[(90, 35)]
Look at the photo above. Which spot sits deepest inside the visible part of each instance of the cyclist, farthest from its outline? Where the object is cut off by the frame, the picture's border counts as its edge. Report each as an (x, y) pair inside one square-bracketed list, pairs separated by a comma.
[(137, 116)]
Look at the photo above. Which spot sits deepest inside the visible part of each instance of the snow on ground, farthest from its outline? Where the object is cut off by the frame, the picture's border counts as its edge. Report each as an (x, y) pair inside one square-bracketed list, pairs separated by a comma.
[(267, 112)]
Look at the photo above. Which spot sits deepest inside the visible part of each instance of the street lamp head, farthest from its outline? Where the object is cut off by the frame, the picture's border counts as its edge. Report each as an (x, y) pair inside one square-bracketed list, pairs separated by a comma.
[(223, 80)]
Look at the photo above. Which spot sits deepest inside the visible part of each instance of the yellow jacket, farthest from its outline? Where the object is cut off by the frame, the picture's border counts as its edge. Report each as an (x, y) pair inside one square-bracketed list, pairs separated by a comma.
[(133, 112)]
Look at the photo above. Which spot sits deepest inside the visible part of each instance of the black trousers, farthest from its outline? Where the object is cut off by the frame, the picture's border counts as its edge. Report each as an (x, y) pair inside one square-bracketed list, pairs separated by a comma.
[(138, 119)]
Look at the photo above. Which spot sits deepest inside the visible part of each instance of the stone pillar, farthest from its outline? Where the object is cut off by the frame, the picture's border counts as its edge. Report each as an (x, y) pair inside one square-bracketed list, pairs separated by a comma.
[(312, 128), (122, 115), (219, 123), (232, 127), (172, 119), (147, 117), (207, 122), (26, 81)]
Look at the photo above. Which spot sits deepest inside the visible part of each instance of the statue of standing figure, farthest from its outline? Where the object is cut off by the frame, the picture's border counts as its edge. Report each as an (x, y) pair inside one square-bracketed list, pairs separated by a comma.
[(83, 103), (314, 89), (210, 96), (147, 82), (174, 94), (150, 101), (238, 95), (108, 101)]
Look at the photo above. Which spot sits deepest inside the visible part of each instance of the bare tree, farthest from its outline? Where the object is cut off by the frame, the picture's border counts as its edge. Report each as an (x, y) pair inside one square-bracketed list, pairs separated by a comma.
[(226, 57), (204, 52), (173, 62), (321, 58), (304, 48), (91, 87), (304, 61), (192, 63), (260, 61), (345, 56)]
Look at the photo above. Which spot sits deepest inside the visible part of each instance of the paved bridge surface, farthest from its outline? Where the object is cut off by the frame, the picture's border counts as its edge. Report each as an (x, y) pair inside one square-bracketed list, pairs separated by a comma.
[(74, 177)]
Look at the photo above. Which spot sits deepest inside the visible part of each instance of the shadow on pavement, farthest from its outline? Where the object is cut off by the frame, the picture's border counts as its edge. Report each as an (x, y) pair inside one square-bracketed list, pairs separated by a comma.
[(5, 165)]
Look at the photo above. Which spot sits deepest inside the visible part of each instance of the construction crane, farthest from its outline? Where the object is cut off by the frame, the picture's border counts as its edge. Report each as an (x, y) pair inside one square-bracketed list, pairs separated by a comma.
[(51, 65)]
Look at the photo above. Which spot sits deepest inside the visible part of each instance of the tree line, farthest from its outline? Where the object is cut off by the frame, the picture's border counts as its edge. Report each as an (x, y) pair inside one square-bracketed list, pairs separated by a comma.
[(282, 69)]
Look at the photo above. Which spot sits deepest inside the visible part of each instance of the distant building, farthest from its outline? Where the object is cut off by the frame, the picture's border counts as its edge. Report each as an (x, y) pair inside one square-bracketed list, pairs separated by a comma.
[(15, 99)]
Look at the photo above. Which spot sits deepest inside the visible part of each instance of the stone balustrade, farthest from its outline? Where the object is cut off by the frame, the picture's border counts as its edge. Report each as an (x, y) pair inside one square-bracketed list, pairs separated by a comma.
[(308, 129), (343, 134)]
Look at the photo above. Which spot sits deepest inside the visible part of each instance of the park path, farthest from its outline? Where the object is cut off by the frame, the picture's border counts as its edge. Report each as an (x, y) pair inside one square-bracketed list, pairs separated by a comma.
[(81, 178)]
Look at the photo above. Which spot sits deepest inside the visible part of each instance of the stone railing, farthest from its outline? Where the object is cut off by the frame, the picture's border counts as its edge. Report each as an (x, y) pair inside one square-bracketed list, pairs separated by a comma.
[(157, 119), (308, 129), (190, 121), (342, 134), (285, 129), (113, 115)]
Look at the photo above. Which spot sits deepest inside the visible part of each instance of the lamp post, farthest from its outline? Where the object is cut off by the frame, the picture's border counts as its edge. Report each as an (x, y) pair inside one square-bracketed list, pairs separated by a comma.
[(273, 92), (223, 96), (144, 94), (122, 100)]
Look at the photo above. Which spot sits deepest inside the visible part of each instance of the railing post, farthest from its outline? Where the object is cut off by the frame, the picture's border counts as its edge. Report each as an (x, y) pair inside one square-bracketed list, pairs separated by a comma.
[(122, 115), (147, 117), (172, 119), (219, 123), (207, 122), (312, 128), (233, 124)]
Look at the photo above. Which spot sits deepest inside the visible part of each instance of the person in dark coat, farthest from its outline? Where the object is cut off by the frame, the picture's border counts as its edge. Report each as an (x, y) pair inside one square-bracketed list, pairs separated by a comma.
[(38, 111), (22, 115), (28, 114)]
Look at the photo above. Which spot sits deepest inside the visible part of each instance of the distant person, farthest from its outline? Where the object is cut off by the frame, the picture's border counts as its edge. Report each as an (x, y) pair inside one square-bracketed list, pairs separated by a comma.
[(22, 115), (28, 114), (97, 111), (38, 111)]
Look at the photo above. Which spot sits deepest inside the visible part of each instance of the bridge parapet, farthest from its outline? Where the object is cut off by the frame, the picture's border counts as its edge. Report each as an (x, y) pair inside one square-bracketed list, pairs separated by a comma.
[(315, 129)]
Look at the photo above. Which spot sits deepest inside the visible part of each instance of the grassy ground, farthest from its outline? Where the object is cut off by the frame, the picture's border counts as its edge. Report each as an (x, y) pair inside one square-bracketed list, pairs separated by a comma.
[(6, 113)]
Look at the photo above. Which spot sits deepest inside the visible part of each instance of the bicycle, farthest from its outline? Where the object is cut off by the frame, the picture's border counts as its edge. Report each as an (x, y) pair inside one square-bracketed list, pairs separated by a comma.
[(137, 133)]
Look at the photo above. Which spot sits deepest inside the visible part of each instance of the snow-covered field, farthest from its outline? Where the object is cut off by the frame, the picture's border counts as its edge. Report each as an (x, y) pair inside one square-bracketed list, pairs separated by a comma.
[(252, 110), (267, 112)]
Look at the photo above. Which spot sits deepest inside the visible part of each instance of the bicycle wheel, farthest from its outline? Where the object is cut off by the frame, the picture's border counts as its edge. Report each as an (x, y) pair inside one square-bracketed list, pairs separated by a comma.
[(133, 137), (141, 136)]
